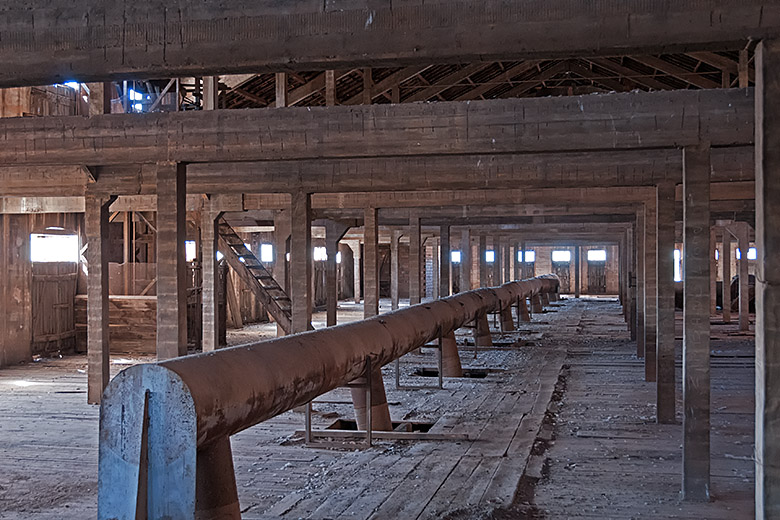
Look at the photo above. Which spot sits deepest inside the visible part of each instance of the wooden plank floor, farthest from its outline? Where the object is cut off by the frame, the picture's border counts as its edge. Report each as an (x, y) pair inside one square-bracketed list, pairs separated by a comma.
[(48, 438)]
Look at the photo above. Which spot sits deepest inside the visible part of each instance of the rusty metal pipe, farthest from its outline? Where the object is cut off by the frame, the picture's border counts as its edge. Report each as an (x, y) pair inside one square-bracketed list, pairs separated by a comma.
[(380, 413), (536, 303), (522, 309), (194, 401), (507, 323)]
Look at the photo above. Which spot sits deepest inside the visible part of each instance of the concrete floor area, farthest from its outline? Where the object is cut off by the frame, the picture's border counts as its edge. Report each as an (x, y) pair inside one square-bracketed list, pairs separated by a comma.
[(560, 427)]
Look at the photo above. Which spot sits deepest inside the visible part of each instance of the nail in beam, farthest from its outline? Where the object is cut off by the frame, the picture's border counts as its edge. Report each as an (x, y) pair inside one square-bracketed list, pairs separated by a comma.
[(444, 264), (370, 263), (696, 323), (650, 288), (665, 388), (300, 261), (96, 225), (640, 284), (767, 452), (209, 241), (171, 266), (415, 260)]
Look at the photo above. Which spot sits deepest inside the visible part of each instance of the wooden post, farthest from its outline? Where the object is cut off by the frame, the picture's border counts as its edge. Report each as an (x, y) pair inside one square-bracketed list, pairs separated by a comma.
[(395, 270), (767, 451), (713, 272), (171, 265), (281, 236), (483, 267), (371, 263), (743, 243), (465, 260), (96, 226), (497, 271), (665, 388), (640, 284), (209, 292), (415, 260), (300, 261), (210, 92), (696, 323), (650, 288), (357, 273), (368, 86), (330, 88), (334, 232), (444, 263), (577, 271), (126, 251), (281, 89), (725, 264)]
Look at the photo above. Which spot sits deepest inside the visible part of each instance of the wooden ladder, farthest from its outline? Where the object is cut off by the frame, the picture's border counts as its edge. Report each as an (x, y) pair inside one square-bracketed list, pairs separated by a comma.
[(256, 276)]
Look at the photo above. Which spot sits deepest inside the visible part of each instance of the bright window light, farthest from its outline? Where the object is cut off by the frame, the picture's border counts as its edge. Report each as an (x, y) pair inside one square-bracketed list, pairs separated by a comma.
[(530, 256), (138, 107), (320, 254), (134, 96), (597, 255), (75, 85), (54, 248), (266, 253), (220, 256), (717, 255), (752, 253), (189, 250), (490, 256), (561, 256), (455, 257), (677, 266), (338, 257)]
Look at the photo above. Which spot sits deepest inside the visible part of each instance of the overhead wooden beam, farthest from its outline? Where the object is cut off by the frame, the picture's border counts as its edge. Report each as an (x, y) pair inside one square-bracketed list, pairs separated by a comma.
[(233, 36), (637, 120)]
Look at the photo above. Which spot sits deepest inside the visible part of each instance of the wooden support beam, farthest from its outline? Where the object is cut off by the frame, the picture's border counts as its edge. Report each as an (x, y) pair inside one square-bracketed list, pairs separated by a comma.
[(446, 82), (641, 288), (445, 286), (744, 68), (678, 72), (767, 435), (371, 263), (665, 305), (96, 227), (395, 269), (743, 244), (725, 263), (281, 89), (209, 238), (465, 260), (504, 77), (651, 278), (415, 259), (171, 264), (300, 261), (334, 232), (629, 73), (371, 90), (330, 88)]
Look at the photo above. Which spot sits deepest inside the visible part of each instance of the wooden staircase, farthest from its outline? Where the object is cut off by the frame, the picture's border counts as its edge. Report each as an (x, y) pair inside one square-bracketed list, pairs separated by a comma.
[(256, 276)]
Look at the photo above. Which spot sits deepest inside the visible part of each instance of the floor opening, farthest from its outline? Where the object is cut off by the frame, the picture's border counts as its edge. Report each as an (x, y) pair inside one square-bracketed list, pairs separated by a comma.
[(474, 373)]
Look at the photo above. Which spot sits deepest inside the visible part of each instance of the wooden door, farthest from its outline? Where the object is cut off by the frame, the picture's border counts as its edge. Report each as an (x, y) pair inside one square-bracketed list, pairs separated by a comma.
[(563, 271), (597, 278)]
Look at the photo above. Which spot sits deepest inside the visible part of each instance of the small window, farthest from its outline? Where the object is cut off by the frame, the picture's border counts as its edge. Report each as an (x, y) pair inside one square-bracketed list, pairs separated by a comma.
[(597, 255), (677, 266), (338, 257), (190, 253), (54, 248), (266, 253), (717, 254), (490, 256), (320, 254), (752, 254), (455, 257), (530, 256), (561, 256)]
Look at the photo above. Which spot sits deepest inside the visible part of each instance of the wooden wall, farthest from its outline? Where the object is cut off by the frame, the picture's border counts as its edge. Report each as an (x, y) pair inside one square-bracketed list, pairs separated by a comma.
[(53, 298), (15, 290)]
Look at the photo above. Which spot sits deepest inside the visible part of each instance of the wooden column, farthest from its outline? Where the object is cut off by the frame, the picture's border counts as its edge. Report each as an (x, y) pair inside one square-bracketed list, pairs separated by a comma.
[(171, 264), (436, 289), (508, 264), (743, 243), (713, 272), (632, 282), (415, 260), (209, 294), (640, 284), (330, 88), (523, 270), (281, 89), (725, 266), (210, 92), (696, 323), (357, 272), (665, 388), (126, 251), (444, 264), (281, 236), (334, 232), (300, 261), (650, 289), (767, 450), (483, 265), (465, 260), (395, 269), (96, 226), (577, 271), (497, 270), (371, 263)]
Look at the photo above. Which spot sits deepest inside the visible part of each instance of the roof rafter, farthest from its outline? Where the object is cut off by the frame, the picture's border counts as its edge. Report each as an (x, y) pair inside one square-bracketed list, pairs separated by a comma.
[(680, 73)]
